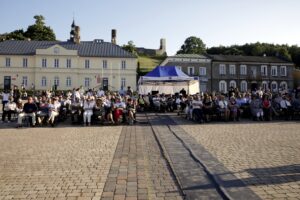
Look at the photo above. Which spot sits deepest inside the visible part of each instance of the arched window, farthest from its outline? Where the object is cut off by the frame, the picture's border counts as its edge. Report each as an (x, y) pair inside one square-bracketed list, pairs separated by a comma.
[(232, 84), (264, 85), (44, 81), (283, 85), (223, 86), (244, 86), (274, 86)]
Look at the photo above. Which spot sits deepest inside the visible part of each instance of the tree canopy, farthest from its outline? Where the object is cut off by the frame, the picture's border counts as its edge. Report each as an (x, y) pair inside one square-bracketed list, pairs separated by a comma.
[(37, 31), (192, 45), (130, 47)]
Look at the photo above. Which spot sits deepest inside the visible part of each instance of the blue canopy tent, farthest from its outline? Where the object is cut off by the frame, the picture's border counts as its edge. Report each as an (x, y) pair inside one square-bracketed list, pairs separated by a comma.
[(168, 80)]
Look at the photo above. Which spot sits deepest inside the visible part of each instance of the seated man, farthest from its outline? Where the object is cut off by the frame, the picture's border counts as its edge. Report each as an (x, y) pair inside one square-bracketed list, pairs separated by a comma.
[(131, 109), (42, 110), (9, 108), (197, 109), (29, 109), (76, 110), (223, 107), (256, 108)]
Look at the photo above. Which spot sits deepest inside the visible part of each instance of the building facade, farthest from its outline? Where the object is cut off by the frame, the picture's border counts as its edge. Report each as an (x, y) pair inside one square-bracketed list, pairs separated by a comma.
[(193, 65), (250, 73), (66, 65)]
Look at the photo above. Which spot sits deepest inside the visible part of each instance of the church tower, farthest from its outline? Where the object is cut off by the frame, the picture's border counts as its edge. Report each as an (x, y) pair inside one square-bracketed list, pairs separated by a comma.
[(75, 33)]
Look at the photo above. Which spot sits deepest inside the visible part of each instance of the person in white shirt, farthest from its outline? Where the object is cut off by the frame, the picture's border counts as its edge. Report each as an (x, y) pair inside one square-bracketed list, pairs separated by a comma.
[(223, 107), (10, 108), (197, 108), (100, 93), (5, 97), (88, 107), (53, 110), (286, 107)]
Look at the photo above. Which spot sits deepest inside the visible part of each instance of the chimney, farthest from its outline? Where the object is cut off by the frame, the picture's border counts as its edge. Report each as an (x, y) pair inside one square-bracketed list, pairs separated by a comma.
[(114, 36), (163, 44)]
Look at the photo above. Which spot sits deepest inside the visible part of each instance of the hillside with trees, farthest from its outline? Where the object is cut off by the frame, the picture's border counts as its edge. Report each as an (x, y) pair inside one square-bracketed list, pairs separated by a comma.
[(37, 31)]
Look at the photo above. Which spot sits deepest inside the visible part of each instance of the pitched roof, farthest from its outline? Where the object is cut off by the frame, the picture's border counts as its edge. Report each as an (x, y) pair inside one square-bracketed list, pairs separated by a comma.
[(197, 56), (260, 59), (96, 48)]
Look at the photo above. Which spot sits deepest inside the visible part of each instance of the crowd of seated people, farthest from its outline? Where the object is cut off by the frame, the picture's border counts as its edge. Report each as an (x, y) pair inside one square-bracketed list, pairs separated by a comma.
[(92, 107), (82, 107)]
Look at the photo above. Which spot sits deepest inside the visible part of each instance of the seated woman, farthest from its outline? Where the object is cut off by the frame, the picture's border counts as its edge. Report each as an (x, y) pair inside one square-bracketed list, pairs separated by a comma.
[(118, 108), (266, 106), (256, 108), (88, 107), (99, 111), (223, 107), (207, 107), (108, 107), (9, 109), (234, 109), (53, 111), (131, 109), (197, 109)]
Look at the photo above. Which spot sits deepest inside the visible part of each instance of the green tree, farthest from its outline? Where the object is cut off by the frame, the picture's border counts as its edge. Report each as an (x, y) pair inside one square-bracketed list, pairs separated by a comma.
[(130, 47), (39, 31), (192, 45)]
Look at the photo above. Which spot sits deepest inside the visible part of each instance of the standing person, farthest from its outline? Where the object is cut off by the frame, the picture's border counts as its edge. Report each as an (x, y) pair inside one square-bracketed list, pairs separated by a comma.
[(183, 92), (88, 107), (5, 97), (29, 109), (286, 107), (16, 94)]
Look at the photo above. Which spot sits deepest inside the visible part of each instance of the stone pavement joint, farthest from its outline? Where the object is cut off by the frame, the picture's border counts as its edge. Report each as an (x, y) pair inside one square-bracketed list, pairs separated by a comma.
[(199, 173)]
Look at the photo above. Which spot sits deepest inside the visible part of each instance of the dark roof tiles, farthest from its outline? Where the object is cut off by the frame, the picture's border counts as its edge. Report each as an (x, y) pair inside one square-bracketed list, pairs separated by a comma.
[(259, 59), (88, 49)]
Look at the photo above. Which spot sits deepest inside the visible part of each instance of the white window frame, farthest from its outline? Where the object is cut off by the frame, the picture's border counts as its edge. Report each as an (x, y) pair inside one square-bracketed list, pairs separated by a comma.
[(104, 64), (56, 63), (274, 71), (284, 83), (285, 71), (243, 69), (25, 62), (265, 85), (25, 81), (232, 83), (44, 62), (56, 81), (68, 81), (274, 83), (69, 63), (87, 64), (223, 83), (87, 81), (123, 64), (44, 81), (193, 71), (264, 70), (244, 86), (7, 62), (202, 71), (222, 69), (232, 69)]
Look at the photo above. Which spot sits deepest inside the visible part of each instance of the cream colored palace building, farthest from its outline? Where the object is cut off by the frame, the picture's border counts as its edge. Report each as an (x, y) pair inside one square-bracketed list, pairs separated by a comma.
[(67, 65)]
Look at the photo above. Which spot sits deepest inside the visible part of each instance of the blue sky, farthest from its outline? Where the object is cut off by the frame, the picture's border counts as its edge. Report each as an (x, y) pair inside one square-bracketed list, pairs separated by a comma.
[(216, 22)]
